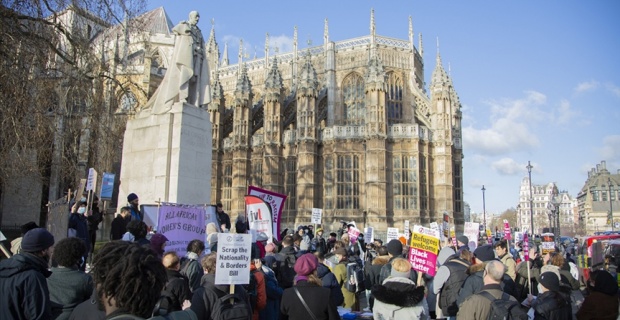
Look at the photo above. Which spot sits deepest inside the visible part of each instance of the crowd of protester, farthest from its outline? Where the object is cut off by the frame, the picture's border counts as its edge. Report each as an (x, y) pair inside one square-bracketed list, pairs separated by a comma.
[(305, 275)]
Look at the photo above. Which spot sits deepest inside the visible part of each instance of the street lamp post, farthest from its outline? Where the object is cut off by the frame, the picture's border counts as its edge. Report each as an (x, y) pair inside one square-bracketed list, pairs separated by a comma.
[(529, 173), (611, 209), (484, 210)]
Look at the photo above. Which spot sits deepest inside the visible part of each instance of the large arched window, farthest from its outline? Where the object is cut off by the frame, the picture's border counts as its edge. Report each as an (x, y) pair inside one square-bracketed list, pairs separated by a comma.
[(394, 99), (353, 99), (128, 102)]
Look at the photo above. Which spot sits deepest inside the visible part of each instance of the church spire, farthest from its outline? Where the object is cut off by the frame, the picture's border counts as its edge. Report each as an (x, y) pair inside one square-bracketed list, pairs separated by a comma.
[(240, 58), (325, 33), (225, 55), (373, 35), (267, 50), (410, 32)]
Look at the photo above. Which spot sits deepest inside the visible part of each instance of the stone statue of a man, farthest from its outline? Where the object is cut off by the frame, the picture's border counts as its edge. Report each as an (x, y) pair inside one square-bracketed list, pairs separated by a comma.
[(187, 77)]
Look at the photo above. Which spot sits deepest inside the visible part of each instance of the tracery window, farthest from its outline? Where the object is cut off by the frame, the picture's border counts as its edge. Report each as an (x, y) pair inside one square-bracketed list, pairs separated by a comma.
[(394, 98), (291, 184), (227, 185), (353, 99), (405, 182), (128, 101), (348, 182), (328, 183)]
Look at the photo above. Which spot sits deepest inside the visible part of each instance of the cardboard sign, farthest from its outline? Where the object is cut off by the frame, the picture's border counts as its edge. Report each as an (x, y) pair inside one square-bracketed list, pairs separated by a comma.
[(369, 234), (276, 201), (507, 234), (392, 233), (259, 216), (406, 232), (233, 258), (181, 224), (424, 249), (316, 215), (548, 243), (471, 231), (91, 182)]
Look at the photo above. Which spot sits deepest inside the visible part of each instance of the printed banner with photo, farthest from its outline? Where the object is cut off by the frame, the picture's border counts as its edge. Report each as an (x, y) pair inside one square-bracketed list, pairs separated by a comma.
[(424, 249), (276, 201), (259, 216), (181, 224)]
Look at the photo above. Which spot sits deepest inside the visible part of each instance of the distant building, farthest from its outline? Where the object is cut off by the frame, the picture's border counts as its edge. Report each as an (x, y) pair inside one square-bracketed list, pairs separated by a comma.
[(598, 202), (467, 212), (544, 212)]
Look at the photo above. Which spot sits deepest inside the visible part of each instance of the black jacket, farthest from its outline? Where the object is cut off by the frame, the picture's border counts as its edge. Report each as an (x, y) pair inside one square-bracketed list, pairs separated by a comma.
[(119, 227), (80, 224), (94, 219), (316, 297), (329, 281), (552, 306), (177, 288), (24, 288), (205, 297), (450, 289)]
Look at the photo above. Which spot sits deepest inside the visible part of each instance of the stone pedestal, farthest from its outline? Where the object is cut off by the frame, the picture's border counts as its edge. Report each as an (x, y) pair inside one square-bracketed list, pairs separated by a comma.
[(167, 157)]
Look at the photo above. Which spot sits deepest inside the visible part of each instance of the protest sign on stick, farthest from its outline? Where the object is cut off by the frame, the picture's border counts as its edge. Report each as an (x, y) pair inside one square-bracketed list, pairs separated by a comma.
[(472, 231), (369, 234), (276, 201), (181, 224), (547, 243), (259, 216), (424, 249), (233, 258), (392, 233), (317, 215)]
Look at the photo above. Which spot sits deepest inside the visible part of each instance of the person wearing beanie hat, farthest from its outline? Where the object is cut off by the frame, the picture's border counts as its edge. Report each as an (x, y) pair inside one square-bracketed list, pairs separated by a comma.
[(462, 241), (158, 244), (398, 297), (551, 302), (395, 250), (25, 294), (475, 279), (309, 287), (134, 204)]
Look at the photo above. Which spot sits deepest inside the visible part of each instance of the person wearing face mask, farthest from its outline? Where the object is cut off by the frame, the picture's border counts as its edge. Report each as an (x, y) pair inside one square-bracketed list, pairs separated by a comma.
[(23, 284), (78, 221)]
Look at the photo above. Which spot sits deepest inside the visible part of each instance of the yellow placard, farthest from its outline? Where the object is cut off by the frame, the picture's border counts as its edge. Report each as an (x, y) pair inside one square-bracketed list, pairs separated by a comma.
[(424, 242)]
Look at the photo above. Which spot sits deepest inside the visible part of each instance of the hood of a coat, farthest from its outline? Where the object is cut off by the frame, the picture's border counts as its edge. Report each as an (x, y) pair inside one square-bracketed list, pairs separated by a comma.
[(444, 254), (23, 262), (380, 260), (321, 270), (474, 268), (398, 291)]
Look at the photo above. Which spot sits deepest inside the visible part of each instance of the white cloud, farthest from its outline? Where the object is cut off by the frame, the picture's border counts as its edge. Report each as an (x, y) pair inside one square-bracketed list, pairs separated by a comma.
[(565, 113), (283, 43), (586, 86), (507, 166), (613, 89), (510, 128), (611, 149)]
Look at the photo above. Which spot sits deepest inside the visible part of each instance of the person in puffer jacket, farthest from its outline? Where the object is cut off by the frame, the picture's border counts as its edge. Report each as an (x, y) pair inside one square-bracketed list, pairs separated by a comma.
[(398, 297)]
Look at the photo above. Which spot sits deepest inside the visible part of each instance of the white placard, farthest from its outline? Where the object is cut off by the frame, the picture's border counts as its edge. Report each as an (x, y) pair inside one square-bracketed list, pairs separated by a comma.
[(426, 231), (406, 229), (392, 233), (369, 234), (317, 213), (91, 182), (435, 225), (471, 231), (233, 258), (2, 237)]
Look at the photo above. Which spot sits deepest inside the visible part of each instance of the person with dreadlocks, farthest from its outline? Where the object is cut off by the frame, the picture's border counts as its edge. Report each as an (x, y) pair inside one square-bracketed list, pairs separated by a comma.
[(126, 275)]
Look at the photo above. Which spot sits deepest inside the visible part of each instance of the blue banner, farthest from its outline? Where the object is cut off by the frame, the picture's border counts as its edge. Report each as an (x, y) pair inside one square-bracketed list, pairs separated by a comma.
[(107, 186)]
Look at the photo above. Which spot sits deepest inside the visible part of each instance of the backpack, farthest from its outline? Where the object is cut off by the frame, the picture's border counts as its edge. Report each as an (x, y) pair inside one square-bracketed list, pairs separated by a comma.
[(251, 289), (504, 308), (229, 306), (355, 278), (285, 272)]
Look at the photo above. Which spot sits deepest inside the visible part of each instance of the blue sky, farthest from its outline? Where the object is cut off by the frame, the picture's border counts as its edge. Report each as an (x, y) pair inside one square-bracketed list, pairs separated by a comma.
[(538, 80)]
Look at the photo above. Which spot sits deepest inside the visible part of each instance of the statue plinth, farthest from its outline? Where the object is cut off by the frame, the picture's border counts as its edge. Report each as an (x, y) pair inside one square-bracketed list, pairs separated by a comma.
[(167, 157)]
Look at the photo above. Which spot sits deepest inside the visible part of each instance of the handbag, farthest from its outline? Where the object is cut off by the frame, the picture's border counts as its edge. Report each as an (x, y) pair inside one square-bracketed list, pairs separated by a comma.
[(304, 303)]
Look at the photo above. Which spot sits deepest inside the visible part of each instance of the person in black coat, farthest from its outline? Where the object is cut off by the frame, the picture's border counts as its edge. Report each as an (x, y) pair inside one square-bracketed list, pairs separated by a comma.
[(177, 286), (94, 218), (551, 304), (78, 221), (328, 280), (119, 224), (309, 287)]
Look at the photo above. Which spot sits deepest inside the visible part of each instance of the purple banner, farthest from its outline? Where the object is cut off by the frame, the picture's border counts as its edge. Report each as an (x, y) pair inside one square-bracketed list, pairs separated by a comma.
[(181, 224)]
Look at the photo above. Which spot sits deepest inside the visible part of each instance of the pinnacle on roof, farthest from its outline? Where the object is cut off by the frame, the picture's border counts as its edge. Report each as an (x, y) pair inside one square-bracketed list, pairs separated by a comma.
[(308, 78), (274, 79)]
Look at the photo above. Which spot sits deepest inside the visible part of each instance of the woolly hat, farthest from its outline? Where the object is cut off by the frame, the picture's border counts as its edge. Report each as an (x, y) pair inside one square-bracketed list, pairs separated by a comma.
[(306, 264), (319, 230), (131, 197), (484, 253), (395, 248), (550, 281), (551, 268), (261, 236), (463, 239), (212, 239), (270, 247), (37, 239)]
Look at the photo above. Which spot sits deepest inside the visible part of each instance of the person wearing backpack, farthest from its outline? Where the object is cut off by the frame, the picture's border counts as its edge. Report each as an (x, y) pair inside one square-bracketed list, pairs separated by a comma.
[(285, 261), (491, 302), (211, 301), (190, 266), (340, 271), (307, 299), (449, 279), (398, 297)]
